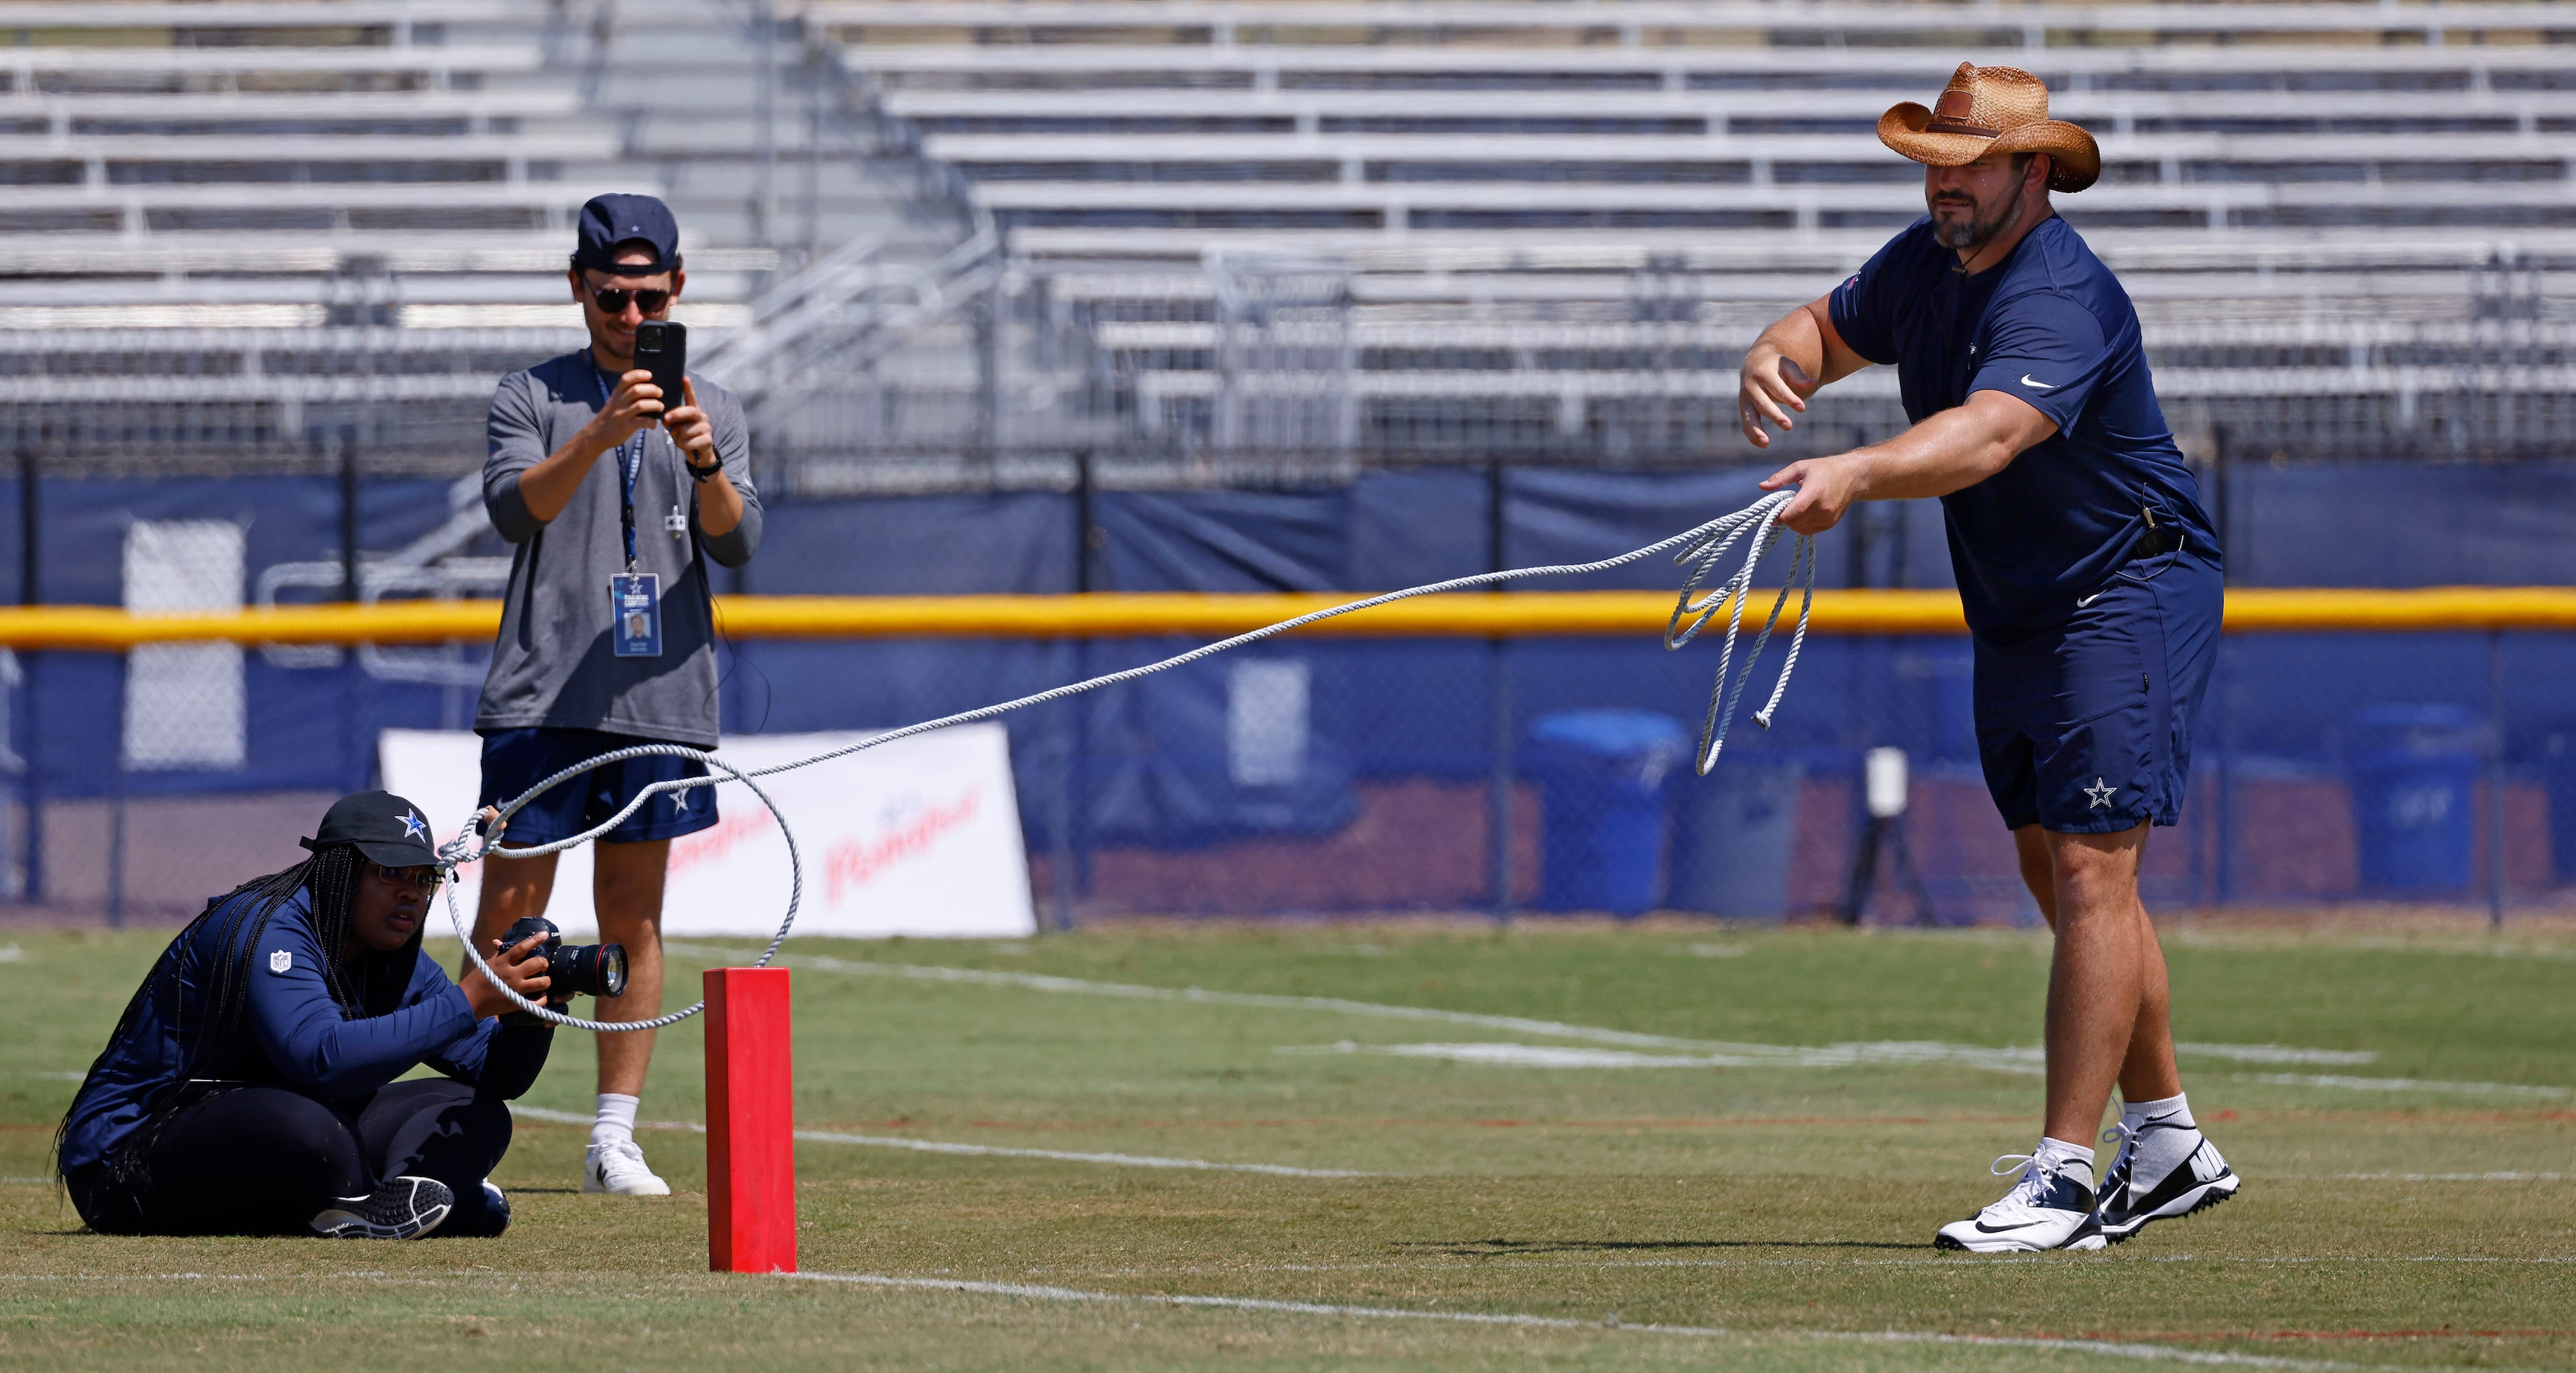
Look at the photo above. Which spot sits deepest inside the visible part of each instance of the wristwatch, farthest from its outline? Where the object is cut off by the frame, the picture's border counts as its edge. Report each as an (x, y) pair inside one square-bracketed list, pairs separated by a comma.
[(697, 473)]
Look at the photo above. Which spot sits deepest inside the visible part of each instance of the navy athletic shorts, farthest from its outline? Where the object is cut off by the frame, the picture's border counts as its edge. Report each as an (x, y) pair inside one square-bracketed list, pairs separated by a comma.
[(517, 759), (2086, 729)]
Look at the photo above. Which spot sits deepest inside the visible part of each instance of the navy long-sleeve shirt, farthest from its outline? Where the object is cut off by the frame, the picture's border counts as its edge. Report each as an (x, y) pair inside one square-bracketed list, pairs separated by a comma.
[(299, 1038)]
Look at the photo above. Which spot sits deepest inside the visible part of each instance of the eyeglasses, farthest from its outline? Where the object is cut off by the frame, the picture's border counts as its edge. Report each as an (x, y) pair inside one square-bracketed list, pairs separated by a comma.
[(423, 876), (612, 300)]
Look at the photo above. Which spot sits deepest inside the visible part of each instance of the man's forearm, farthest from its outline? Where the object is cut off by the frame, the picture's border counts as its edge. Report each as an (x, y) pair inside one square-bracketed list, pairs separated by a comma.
[(719, 506), (547, 487), (1951, 451)]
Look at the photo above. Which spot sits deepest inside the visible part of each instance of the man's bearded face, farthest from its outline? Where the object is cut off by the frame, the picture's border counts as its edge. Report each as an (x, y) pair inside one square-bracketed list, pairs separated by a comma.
[(1973, 203)]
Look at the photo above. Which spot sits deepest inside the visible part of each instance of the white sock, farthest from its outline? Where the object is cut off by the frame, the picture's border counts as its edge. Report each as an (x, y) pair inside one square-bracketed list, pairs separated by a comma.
[(2172, 1110), (2158, 1154), (2058, 1156), (616, 1121)]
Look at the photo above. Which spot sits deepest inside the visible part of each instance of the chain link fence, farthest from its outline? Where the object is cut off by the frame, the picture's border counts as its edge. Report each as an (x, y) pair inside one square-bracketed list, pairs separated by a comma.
[(1334, 775)]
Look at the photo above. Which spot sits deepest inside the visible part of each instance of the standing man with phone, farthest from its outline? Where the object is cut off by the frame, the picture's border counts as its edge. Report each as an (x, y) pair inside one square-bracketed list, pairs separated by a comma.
[(614, 495)]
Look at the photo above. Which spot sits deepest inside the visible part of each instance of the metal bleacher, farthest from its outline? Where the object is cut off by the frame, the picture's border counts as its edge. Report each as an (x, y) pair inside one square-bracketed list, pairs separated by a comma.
[(256, 230), (936, 229), (1566, 219)]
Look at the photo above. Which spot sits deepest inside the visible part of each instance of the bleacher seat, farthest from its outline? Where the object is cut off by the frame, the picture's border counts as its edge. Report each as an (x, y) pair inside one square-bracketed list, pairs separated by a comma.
[(182, 163), (1142, 127), (1550, 210)]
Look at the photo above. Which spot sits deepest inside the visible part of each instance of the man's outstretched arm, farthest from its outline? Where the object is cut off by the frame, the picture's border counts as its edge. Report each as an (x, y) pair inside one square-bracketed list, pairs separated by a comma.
[(1785, 366), (1951, 451)]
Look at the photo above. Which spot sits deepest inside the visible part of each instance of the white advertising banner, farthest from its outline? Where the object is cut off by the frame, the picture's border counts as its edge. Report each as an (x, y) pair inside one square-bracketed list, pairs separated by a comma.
[(917, 837)]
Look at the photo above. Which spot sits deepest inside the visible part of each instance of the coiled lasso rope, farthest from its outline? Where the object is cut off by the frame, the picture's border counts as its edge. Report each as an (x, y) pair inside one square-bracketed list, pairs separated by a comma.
[(1699, 549)]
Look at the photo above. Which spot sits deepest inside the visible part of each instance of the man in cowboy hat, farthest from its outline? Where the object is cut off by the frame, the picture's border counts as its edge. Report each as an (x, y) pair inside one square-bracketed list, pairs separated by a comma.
[(2090, 577)]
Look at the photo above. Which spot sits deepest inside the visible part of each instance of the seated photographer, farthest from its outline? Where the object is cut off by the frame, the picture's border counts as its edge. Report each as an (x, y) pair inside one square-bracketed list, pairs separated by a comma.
[(249, 1087)]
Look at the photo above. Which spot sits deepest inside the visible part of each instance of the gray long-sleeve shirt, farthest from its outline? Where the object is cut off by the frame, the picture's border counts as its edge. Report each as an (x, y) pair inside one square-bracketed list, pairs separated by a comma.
[(552, 665)]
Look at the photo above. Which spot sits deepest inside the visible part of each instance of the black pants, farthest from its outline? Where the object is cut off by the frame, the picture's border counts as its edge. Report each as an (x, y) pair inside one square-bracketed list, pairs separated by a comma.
[(265, 1160)]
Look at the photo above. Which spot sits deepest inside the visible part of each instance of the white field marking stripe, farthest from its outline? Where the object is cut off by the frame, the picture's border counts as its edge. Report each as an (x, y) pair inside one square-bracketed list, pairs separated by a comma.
[(2538, 952), (1558, 1056), (2406, 1084), (1517, 1263), (933, 1146), (2017, 1060), (2276, 1053), (1545, 1056), (2446, 1177), (1526, 1321), (1119, 1160)]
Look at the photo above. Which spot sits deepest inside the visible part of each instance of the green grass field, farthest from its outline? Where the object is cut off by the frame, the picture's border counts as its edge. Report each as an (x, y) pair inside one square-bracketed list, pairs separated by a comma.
[(2399, 1105)]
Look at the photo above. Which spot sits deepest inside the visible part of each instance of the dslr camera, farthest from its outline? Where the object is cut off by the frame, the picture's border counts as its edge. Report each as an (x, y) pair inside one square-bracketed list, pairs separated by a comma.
[(571, 969)]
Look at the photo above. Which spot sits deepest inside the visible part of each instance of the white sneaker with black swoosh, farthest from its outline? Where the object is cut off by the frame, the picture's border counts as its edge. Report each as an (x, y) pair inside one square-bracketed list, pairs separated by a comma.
[(618, 1167), (2163, 1171), (2051, 1207)]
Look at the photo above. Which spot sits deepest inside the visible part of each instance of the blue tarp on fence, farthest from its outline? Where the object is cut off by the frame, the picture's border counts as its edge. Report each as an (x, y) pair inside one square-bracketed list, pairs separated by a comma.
[(1150, 765)]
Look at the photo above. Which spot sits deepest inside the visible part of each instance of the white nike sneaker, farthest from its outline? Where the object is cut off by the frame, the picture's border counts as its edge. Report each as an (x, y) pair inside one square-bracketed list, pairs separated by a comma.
[(618, 1167), (2049, 1208), (2163, 1171)]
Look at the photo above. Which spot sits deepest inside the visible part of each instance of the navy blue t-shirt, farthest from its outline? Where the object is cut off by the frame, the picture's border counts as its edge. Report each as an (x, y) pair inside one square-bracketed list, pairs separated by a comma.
[(2050, 326), (300, 1038)]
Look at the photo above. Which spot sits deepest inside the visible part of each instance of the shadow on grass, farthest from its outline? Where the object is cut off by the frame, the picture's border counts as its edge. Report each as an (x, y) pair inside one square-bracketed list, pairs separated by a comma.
[(1502, 1248)]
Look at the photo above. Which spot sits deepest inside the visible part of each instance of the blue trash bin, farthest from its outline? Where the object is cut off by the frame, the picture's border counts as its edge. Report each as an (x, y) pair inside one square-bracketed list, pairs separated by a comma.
[(1605, 780), (1733, 831), (2414, 776)]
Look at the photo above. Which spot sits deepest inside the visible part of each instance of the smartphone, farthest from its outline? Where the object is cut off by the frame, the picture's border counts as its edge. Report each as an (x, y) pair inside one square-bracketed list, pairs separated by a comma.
[(662, 348)]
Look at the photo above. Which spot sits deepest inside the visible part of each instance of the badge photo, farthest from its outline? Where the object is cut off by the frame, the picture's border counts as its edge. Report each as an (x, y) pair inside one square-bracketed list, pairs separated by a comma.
[(635, 615)]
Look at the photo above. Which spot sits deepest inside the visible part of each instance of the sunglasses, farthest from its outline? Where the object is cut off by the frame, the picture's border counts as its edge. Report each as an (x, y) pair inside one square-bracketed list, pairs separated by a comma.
[(612, 300), (423, 876)]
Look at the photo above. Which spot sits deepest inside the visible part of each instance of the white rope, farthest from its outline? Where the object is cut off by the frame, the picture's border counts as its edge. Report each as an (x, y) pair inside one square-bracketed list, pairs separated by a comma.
[(1699, 549), (1760, 520)]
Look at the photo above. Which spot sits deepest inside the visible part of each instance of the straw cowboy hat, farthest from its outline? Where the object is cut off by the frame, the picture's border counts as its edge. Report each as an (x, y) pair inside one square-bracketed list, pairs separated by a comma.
[(1992, 110)]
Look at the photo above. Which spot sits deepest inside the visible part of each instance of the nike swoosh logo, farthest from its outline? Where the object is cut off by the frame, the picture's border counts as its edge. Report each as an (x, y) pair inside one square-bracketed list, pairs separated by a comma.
[(1985, 1229), (2083, 601), (2037, 385)]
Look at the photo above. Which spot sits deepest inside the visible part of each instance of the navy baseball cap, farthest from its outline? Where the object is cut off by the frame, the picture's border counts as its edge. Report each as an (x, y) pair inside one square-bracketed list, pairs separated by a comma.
[(609, 220), (384, 826)]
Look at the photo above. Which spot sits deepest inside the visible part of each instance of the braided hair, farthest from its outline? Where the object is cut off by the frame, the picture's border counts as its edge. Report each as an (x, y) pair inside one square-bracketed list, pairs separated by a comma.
[(362, 982)]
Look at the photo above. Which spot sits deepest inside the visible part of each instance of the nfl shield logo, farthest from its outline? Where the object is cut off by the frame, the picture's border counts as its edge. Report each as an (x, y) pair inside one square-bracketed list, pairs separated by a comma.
[(280, 961)]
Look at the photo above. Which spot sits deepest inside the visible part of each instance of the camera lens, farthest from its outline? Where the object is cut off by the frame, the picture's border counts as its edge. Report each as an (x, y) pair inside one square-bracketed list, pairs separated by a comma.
[(612, 970)]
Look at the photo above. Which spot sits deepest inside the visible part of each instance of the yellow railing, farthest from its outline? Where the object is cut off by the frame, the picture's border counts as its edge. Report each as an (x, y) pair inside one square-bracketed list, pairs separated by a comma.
[(1524, 614)]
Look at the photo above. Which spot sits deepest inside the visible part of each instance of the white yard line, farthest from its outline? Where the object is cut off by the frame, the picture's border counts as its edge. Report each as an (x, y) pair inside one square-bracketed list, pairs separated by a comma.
[(1117, 1160), (2445, 1177), (1526, 1321), (2407, 1084), (2276, 1053), (933, 1146), (2025, 1061)]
